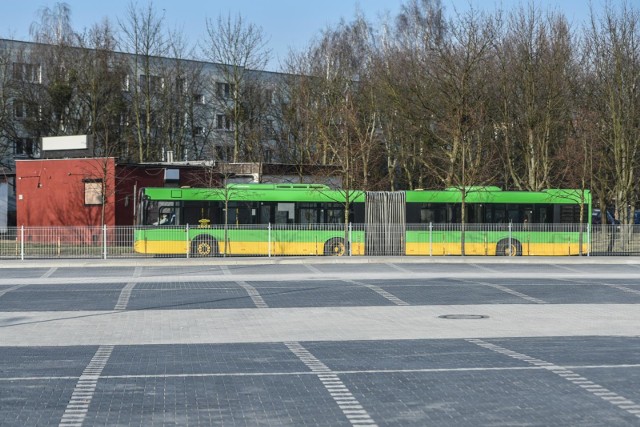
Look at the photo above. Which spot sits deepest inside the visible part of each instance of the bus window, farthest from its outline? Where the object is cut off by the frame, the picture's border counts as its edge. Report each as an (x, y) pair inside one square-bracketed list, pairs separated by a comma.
[(454, 213), (427, 215), (335, 215), (168, 215), (543, 214), (151, 212), (160, 213), (307, 213), (200, 210), (433, 213), (527, 214), (241, 213), (474, 213), (499, 214), (513, 212), (285, 213), (265, 213), (569, 214)]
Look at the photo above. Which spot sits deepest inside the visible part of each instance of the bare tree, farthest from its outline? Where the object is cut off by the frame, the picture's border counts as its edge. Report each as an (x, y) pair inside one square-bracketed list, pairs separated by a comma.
[(54, 26), (613, 45), (536, 59), (235, 48), (48, 81), (143, 36), (177, 99), (101, 104), (8, 131)]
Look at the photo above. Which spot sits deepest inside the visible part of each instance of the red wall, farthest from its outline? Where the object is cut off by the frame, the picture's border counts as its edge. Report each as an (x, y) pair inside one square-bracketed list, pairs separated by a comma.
[(130, 179), (51, 192)]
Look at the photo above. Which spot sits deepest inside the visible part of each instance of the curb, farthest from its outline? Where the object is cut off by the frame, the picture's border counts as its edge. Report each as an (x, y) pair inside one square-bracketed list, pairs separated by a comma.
[(174, 262)]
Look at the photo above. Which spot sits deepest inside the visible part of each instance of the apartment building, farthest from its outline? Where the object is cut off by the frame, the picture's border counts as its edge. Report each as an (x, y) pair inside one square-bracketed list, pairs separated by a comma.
[(135, 108)]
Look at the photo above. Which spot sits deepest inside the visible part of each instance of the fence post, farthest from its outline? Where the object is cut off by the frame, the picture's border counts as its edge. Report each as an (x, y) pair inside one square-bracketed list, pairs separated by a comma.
[(269, 240), (430, 238), (350, 240), (22, 242), (589, 240), (510, 247), (104, 241), (186, 229)]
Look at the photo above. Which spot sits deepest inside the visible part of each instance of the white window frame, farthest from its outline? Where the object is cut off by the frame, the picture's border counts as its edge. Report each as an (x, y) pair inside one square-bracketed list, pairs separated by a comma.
[(93, 192)]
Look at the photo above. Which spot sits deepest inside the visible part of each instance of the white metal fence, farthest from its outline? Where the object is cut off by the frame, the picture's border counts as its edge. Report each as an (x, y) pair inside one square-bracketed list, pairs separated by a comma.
[(320, 240)]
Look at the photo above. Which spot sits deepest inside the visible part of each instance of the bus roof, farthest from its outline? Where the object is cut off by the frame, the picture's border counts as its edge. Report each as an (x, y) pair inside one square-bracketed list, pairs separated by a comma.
[(256, 192), (496, 195), (322, 193)]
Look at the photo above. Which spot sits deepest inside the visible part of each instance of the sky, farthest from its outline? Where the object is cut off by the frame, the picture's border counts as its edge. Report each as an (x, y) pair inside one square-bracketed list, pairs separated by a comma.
[(286, 24)]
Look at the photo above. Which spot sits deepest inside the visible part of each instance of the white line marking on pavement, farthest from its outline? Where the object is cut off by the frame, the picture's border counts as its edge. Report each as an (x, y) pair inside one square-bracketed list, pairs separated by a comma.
[(11, 288), (125, 294), (562, 371), (78, 406), (623, 288), (313, 269), (49, 272), (509, 291), (254, 294), (387, 295), (564, 267), (345, 400), (482, 267), (397, 267), (361, 275), (578, 379)]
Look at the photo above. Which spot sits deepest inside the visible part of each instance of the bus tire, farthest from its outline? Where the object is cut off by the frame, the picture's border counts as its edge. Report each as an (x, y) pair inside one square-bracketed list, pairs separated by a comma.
[(335, 247), (503, 248), (204, 246)]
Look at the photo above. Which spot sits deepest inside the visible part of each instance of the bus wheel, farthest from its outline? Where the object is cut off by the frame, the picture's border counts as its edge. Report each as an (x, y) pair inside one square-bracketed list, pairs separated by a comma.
[(203, 246), (335, 247), (504, 249)]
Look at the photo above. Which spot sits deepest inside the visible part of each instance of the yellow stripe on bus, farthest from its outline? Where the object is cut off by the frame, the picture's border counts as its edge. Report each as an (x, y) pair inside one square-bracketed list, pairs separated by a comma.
[(489, 249), (166, 247), (300, 248)]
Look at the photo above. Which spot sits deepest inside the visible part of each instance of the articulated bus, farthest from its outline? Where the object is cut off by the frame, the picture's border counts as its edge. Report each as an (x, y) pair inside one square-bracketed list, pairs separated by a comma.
[(309, 219)]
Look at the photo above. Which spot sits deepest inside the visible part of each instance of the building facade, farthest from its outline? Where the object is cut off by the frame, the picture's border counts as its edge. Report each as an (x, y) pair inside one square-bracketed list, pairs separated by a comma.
[(135, 108)]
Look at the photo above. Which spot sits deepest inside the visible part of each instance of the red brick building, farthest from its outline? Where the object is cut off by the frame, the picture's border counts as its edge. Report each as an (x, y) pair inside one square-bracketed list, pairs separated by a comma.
[(70, 192)]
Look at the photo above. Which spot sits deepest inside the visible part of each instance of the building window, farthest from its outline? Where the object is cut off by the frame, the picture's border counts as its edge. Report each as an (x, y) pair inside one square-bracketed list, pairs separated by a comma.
[(181, 85), (223, 152), (19, 110), (155, 84), (225, 90), (125, 83), (268, 128), (26, 72), (268, 96), (198, 98), (198, 131), (93, 192), (26, 147), (24, 110), (223, 122), (268, 155)]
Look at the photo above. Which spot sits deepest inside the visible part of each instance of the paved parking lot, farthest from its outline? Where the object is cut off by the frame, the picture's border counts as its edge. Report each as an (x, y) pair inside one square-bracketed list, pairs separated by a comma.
[(320, 342)]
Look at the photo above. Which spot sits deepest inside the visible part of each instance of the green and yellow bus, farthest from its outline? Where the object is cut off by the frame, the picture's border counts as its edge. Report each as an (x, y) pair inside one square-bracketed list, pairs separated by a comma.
[(309, 219)]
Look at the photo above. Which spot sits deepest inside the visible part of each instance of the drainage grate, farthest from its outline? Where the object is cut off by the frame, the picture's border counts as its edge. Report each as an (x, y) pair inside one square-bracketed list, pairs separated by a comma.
[(463, 316)]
